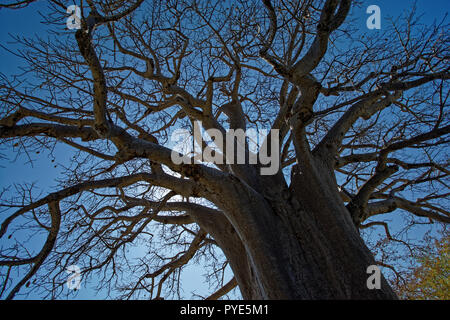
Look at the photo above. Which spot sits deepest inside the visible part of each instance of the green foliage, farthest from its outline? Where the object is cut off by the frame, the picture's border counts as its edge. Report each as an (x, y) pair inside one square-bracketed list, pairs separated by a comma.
[(430, 279)]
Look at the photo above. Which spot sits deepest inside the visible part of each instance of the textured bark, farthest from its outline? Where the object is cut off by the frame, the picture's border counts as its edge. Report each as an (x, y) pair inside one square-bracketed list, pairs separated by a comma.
[(342, 116), (304, 248), (300, 242)]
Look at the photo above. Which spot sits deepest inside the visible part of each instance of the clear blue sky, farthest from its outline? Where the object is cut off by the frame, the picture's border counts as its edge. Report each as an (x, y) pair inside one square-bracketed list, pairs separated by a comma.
[(26, 23)]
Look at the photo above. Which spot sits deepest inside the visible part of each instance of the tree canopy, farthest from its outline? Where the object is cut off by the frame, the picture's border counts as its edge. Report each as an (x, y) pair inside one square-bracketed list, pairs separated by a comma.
[(363, 128)]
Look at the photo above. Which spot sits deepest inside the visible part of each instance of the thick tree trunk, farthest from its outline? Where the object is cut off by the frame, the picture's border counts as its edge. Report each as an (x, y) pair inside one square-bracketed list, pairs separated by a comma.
[(304, 259), (300, 244)]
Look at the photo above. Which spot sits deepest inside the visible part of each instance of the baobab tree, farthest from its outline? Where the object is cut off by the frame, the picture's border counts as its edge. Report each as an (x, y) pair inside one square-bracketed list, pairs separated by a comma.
[(358, 122)]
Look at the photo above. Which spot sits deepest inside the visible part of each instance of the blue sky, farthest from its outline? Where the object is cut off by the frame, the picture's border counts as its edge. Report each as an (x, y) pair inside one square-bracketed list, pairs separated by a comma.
[(26, 23)]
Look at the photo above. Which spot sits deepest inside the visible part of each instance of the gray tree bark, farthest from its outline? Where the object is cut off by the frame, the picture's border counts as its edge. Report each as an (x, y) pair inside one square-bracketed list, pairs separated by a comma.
[(284, 238), (299, 243)]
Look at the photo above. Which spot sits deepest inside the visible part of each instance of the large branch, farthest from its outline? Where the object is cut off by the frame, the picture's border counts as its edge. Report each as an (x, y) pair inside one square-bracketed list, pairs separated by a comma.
[(433, 134), (215, 223), (50, 130), (84, 41), (393, 203), (329, 21), (181, 186), (129, 147), (55, 215), (365, 108), (230, 285), (357, 206), (23, 112), (101, 125)]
